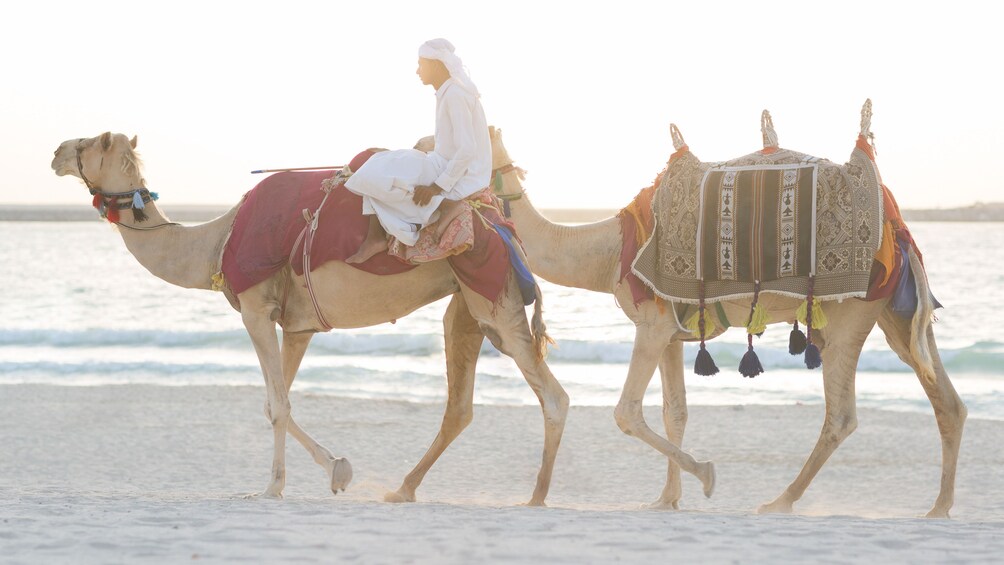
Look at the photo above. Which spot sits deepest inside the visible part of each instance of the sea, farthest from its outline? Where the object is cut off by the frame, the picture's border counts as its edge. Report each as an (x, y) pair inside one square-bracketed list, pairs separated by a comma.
[(79, 311)]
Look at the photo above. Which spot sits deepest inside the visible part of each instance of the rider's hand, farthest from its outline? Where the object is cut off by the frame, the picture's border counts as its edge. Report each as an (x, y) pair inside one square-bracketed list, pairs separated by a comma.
[(423, 194)]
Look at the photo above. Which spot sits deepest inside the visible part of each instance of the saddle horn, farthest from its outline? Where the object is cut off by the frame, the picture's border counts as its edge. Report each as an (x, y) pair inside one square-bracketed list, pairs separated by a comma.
[(767, 131), (678, 142)]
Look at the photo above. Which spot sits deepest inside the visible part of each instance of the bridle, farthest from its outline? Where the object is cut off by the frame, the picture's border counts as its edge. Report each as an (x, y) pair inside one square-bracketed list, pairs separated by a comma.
[(109, 203), (497, 186)]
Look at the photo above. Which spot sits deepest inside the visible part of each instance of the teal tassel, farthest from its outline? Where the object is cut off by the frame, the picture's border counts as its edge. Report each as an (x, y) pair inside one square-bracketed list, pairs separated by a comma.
[(154, 196)]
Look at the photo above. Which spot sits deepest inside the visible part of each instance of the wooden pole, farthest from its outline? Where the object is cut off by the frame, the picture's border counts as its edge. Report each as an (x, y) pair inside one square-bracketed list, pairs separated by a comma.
[(298, 169)]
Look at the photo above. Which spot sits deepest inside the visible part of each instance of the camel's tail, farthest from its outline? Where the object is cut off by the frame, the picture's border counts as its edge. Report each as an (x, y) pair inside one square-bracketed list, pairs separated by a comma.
[(537, 327), (921, 323)]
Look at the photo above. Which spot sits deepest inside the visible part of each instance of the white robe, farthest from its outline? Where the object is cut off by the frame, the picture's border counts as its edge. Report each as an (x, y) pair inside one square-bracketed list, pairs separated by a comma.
[(460, 165)]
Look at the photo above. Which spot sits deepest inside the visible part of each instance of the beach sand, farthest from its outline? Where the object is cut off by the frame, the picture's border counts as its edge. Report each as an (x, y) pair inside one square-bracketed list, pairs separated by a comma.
[(144, 474)]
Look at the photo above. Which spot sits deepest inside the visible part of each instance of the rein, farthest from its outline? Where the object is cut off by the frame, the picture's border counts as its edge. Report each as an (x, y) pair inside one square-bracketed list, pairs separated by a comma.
[(108, 204)]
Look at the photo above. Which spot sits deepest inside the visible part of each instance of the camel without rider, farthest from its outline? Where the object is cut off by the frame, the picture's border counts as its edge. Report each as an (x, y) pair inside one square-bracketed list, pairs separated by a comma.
[(589, 256), (187, 256)]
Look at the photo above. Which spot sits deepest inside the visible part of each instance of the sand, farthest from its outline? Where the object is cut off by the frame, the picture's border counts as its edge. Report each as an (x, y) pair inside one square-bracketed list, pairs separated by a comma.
[(144, 474)]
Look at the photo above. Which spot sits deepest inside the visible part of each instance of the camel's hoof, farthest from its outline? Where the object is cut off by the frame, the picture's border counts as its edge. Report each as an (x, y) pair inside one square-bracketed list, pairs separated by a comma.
[(341, 474), (264, 495), (662, 505), (936, 513), (398, 496), (775, 507), (706, 473), (535, 503)]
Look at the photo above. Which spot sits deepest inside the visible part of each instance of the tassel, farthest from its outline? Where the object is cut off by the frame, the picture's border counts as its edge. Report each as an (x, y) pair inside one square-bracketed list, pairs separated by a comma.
[(154, 196), (138, 214), (812, 357), (113, 213), (693, 324), (750, 365), (758, 320), (137, 200), (704, 365), (819, 319), (796, 341)]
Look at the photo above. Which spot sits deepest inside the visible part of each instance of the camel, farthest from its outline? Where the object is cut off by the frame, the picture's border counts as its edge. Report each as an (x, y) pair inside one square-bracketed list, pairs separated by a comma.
[(588, 256), (347, 297)]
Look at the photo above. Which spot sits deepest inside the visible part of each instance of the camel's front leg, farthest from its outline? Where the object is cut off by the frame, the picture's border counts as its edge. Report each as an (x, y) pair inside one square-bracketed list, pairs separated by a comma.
[(338, 469), (266, 344), (648, 347), (674, 418), (463, 345)]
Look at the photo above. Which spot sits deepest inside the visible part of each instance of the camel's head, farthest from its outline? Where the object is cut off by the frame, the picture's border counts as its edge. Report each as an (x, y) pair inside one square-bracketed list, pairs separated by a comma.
[(107, 162), (500, 157), (426, 144)]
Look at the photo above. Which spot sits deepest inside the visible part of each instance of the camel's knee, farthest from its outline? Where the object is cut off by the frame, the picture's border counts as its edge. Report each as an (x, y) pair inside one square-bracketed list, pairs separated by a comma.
[(838, 428), (278, 411), (457, 418), (629, 417), (674, 416)]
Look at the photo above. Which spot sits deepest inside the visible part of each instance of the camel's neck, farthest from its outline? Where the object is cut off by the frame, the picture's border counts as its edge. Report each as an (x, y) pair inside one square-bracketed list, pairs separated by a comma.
[(186, 256), (585, 256)]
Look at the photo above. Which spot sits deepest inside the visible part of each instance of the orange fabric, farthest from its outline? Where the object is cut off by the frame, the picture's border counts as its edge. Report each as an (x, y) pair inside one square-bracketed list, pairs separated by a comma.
[(678, 153), (637, 224)]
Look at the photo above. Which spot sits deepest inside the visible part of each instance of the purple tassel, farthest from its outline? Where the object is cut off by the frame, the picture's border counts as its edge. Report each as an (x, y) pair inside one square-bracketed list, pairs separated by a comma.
[(704, 365), (750, 365), (812, 357), (796, 341)]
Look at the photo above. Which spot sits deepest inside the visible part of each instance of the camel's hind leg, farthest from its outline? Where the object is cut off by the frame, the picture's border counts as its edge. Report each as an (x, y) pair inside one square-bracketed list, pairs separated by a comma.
[(463, 345), (949, 411), (506, 326), (842, 339), (339, 471), (674, 418), (649, 344)]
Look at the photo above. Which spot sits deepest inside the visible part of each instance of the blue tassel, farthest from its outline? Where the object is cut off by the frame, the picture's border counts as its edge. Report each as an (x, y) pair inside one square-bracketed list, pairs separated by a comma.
[(137, 200), (750, 365), (154, 196), (796, 341), (812, 357), (704, 365)]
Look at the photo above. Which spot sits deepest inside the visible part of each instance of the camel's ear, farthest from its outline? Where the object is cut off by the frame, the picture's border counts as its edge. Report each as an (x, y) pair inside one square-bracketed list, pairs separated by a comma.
[(134, 141), (491, 132), (106, 141)]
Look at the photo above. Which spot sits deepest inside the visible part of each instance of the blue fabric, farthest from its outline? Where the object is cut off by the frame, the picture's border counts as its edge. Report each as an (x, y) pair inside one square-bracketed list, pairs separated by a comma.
[(904, 298), (524, 278)]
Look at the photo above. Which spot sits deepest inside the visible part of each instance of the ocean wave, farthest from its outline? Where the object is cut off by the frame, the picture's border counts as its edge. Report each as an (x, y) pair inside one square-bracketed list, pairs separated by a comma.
[(983, 356)]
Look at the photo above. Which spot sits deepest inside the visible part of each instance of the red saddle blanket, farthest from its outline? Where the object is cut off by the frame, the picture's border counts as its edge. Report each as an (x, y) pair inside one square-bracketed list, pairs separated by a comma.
[(270, 220)]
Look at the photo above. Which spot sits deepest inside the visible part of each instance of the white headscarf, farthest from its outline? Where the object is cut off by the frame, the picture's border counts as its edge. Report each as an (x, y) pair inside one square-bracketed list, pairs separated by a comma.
[(442, 50)]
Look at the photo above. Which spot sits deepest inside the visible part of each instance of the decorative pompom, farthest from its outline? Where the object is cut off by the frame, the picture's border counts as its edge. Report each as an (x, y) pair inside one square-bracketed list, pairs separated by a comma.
[(758, 320), (819, 320), (750, 365), (704, 365), (693, 324), (812, 357), (796, 341)]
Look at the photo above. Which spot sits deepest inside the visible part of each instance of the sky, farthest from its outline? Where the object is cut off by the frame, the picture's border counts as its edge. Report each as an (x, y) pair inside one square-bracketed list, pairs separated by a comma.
[(584, 92)]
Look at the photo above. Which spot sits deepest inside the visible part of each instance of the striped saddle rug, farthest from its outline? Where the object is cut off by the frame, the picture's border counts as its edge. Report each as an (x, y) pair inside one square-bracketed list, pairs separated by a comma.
[(780, 219)]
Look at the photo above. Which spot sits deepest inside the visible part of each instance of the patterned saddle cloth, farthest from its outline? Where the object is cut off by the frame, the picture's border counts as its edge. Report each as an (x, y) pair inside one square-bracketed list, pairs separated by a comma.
[(778, 218), (267, 232)]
